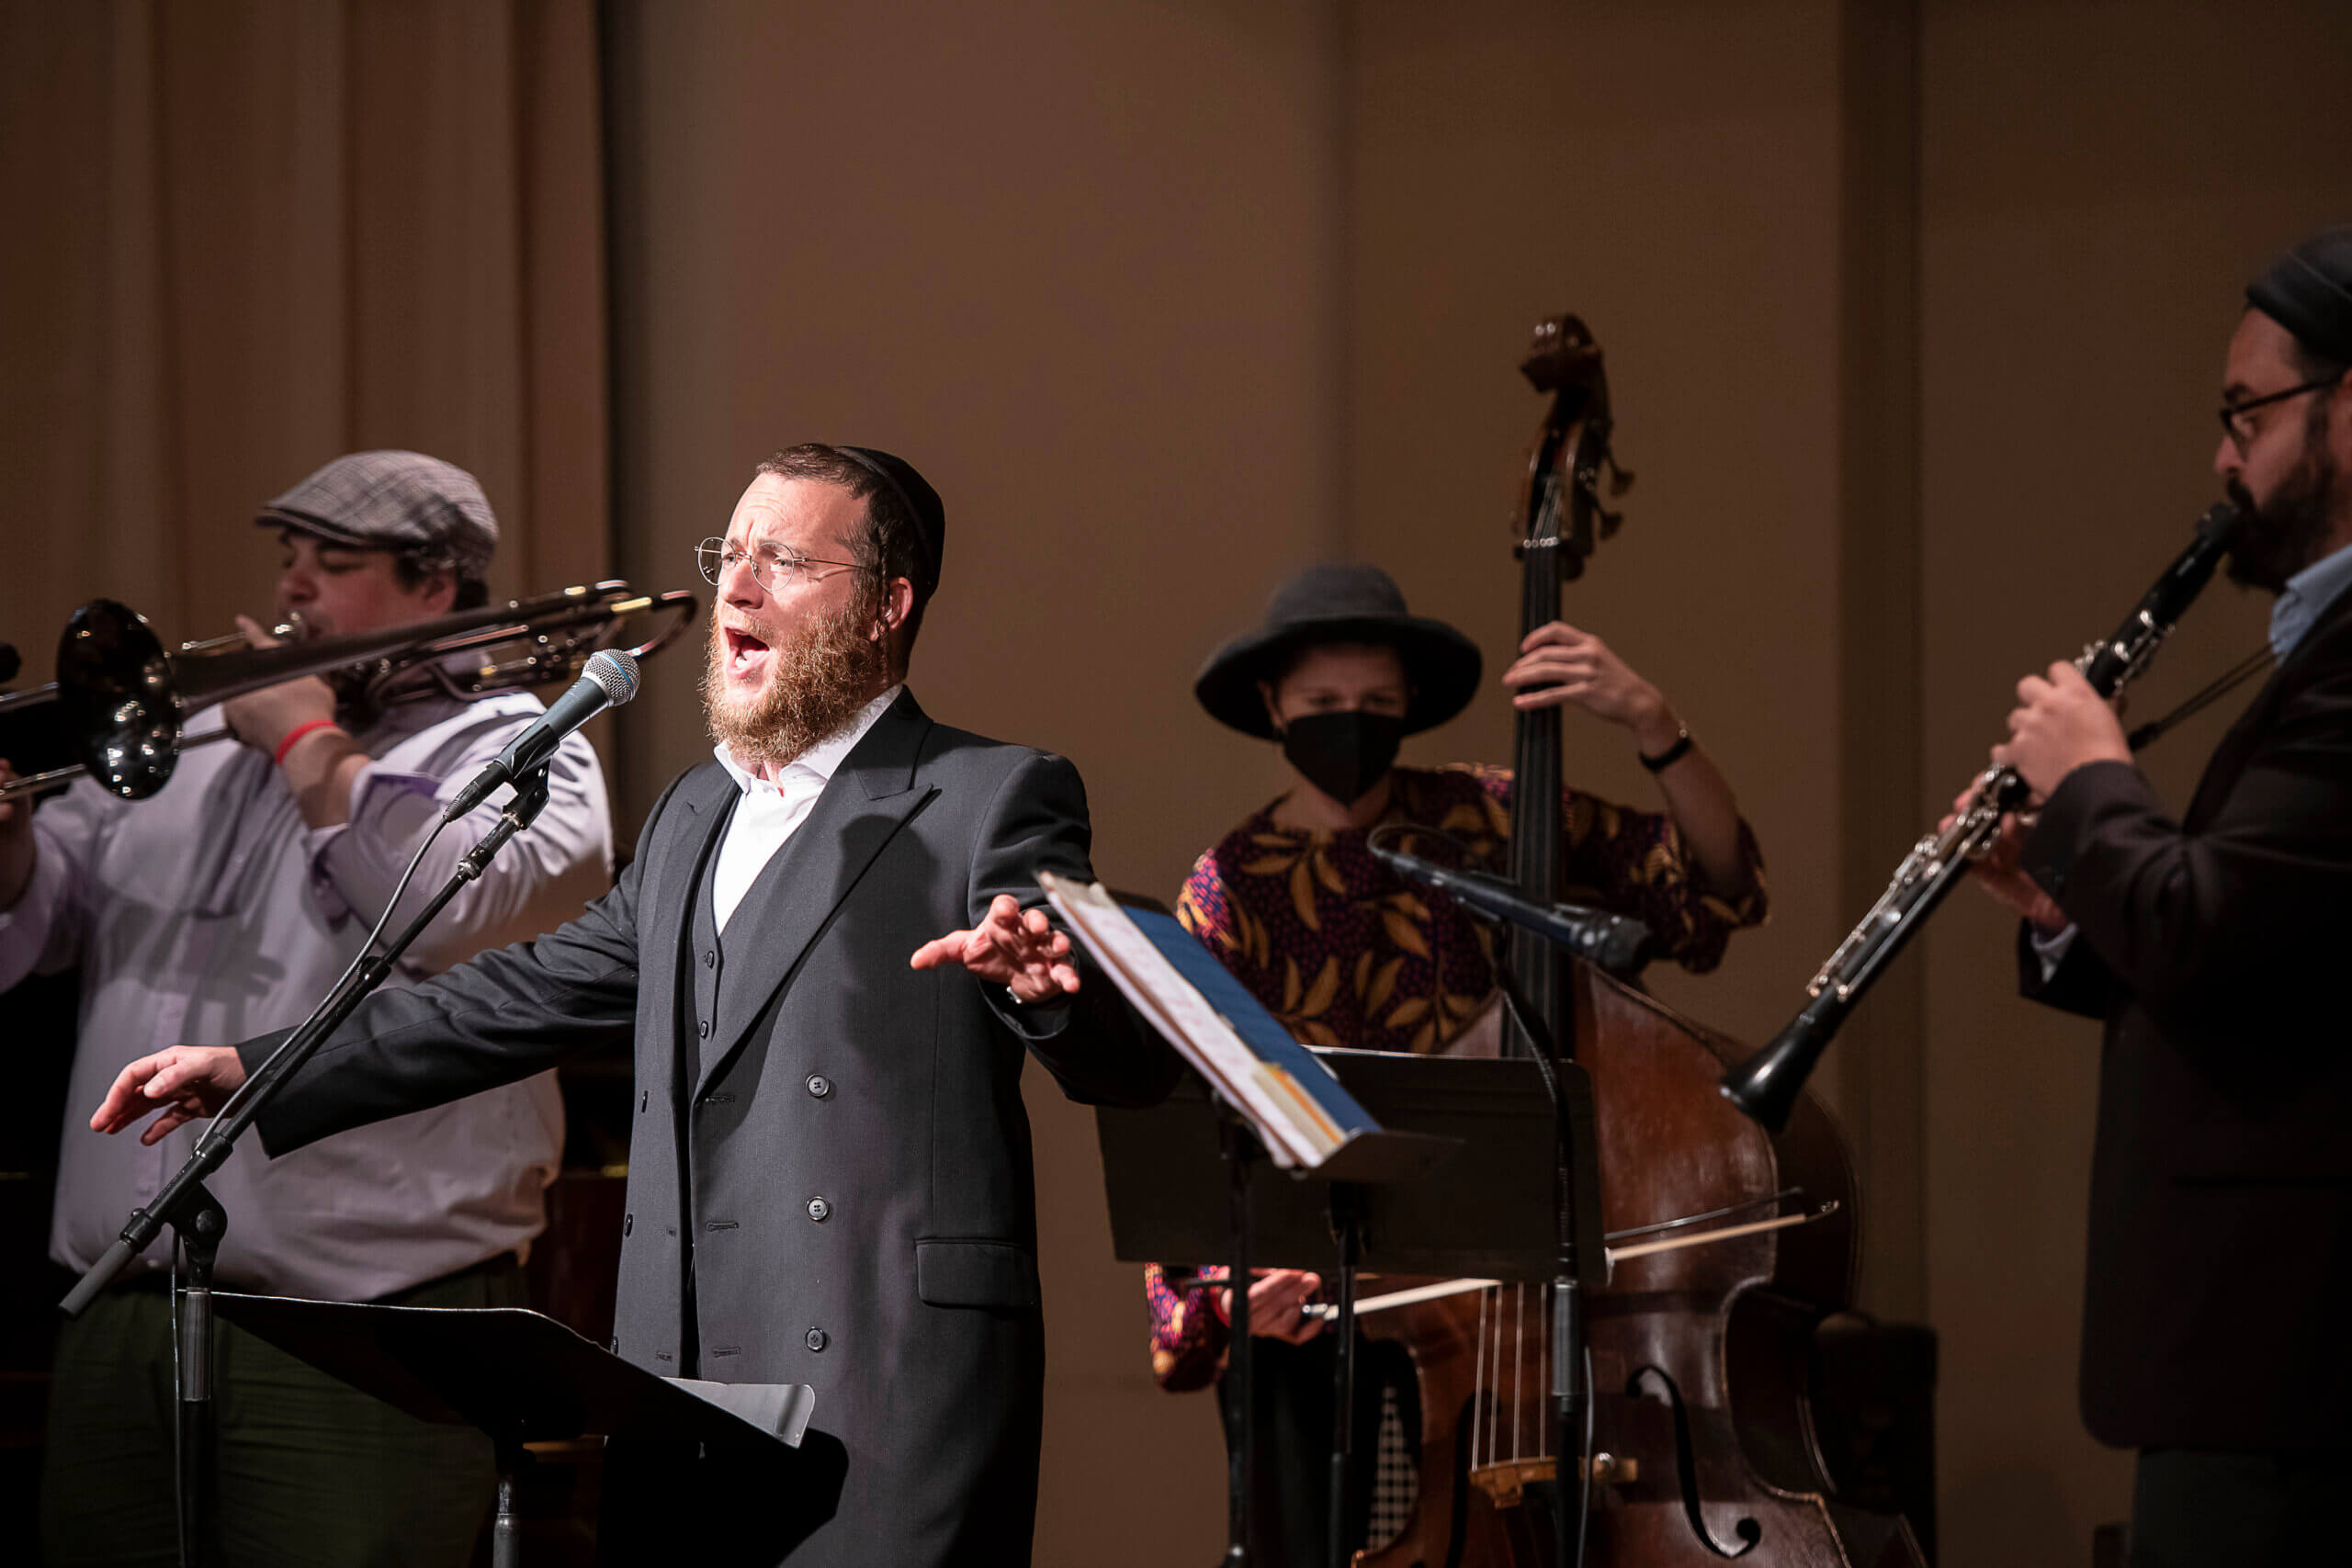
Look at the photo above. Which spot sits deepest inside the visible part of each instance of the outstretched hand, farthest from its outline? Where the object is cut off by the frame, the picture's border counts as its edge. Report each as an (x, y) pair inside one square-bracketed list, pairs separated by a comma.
[(187, 1083), (1019, 951)]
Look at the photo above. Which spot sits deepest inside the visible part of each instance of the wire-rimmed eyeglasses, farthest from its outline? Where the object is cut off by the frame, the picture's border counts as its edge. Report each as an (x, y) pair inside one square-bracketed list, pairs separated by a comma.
[(773, 567), (2234, 421)]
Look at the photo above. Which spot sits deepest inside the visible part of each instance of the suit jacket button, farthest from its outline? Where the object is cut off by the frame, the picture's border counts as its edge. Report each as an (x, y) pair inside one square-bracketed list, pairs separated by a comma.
[(644, 1098), (815, 1339), (702, 1029), (628, 1223), (819, 1085), (819, 1210), (709, 960)]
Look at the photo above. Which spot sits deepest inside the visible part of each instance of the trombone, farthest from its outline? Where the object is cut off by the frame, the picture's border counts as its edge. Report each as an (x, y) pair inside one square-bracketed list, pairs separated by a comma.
[(123, 701)]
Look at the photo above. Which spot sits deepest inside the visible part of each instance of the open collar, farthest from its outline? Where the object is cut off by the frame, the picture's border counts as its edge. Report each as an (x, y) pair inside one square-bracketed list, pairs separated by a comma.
[(824, 759)]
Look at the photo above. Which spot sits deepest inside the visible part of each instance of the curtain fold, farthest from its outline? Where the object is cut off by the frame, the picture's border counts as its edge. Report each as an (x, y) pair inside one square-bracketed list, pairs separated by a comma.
[(245, 237)]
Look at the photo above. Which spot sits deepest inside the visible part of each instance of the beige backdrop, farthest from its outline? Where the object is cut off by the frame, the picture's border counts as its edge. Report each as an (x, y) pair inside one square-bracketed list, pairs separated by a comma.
[(245, 238), (1914, 313)]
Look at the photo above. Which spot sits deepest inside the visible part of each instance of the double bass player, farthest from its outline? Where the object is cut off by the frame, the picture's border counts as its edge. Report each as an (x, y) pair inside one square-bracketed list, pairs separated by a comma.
[(1343, 953)]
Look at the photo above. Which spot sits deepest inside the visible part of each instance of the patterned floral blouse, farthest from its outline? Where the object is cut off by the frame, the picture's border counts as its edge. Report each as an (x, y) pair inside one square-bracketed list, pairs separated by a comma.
[(1347, 954)]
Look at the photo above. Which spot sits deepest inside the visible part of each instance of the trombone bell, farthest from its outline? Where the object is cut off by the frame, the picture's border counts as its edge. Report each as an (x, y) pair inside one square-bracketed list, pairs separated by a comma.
[(122, 707)]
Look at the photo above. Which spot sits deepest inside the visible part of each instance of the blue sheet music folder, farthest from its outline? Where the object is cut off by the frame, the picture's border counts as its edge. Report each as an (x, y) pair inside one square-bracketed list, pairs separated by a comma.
[(1257, 1028)]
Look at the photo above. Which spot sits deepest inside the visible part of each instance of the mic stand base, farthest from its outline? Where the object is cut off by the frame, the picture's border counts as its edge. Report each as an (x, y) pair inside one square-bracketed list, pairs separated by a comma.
[(199, 1225), (506, 1525)]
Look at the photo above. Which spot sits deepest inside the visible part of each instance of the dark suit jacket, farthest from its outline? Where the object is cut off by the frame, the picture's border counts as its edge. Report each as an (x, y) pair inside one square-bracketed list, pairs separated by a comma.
[(2215, 948), (838, 1180)]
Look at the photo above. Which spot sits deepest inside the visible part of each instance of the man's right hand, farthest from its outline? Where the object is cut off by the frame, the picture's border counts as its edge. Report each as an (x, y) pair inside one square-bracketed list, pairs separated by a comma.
[(1999, 872), (17, 848), (187, 1083)]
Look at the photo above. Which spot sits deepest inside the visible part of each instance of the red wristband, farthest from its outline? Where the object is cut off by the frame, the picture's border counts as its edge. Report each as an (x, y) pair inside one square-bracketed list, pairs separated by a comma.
[(296, 733)]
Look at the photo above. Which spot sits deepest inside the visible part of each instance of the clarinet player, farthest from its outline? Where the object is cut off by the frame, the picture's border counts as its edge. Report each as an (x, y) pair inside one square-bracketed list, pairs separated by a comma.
[(2206, 942)]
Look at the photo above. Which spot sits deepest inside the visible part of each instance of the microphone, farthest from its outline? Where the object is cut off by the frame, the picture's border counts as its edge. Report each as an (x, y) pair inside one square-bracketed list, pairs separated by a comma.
[(1614, 943), (609, 681)]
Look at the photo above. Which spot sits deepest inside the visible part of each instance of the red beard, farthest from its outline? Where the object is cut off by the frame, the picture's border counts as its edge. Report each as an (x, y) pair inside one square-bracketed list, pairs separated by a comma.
[(817, 679)]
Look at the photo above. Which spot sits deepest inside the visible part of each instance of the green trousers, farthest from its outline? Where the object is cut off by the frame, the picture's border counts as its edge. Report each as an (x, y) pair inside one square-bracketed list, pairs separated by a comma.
[(307, 1469)]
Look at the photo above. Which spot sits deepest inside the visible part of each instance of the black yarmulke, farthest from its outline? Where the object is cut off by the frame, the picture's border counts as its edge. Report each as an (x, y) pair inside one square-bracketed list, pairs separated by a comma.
[(915, 493), (2309, 292)]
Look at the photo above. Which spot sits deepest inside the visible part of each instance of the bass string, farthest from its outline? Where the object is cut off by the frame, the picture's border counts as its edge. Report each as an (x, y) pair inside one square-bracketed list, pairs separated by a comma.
[(1518, 1351)]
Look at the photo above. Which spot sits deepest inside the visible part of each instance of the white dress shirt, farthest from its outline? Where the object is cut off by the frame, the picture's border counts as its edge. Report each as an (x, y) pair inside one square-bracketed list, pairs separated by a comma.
[(213, 913), (770, 813)]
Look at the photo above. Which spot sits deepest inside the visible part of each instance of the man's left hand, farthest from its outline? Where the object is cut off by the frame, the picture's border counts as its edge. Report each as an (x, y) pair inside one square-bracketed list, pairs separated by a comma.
[(1012, 948), (2060, 724), (262, 720)]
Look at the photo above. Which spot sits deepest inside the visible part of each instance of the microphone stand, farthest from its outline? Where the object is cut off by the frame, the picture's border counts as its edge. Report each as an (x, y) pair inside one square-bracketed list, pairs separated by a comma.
[(196, 1216), (1240, 1147), (1569, 1395)]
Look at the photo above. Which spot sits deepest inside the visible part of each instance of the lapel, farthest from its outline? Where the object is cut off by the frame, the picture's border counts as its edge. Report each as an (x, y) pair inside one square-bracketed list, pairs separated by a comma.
[(796, 894), (2322, 648)]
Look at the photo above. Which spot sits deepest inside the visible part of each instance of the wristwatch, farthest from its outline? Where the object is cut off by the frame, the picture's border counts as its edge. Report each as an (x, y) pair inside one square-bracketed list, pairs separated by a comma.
[(1672, 754)]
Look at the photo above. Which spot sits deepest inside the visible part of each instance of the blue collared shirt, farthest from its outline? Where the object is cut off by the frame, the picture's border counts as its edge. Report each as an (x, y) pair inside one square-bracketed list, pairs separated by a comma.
[(2306, 597)]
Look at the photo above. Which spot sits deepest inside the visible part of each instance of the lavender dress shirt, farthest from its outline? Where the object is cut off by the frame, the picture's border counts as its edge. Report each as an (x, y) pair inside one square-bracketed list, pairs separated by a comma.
[(211, 913)]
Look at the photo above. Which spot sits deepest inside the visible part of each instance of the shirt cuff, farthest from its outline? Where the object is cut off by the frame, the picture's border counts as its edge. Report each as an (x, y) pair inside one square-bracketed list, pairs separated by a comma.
[(2052, 949)]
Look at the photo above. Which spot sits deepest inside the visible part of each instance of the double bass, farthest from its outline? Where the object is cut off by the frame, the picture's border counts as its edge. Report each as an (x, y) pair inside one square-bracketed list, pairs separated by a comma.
[(1702, 1445)]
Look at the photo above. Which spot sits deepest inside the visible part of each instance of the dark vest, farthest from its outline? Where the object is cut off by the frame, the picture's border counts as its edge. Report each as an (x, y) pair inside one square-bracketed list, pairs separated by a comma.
[(706, 962), (700, 1041)]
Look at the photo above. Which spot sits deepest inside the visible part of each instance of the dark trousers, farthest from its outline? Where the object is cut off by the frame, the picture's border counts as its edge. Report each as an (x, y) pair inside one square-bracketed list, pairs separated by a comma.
[(1290, 1502), (2195, 1508), (306, 1471)]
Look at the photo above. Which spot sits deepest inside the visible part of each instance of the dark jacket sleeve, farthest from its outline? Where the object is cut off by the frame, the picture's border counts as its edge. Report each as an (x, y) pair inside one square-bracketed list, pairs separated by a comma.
[(2080, 983), (494, 1020), (1095, 1045), (2189, 921)]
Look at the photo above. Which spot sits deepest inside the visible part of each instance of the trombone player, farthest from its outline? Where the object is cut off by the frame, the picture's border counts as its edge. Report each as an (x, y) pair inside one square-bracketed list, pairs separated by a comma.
[(226, 906)]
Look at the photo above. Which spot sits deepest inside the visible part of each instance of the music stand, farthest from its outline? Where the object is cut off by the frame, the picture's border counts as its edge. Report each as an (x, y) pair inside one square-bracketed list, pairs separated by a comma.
[(1479, 1204), (524, 1377), (1273, 1098)]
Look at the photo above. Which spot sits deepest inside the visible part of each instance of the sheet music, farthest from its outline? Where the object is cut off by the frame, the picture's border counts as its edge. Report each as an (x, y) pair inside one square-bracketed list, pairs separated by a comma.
[(1216, 1023)]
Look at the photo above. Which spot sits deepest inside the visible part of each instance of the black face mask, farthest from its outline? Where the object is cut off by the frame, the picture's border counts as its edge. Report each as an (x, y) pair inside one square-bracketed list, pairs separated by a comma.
[(1343, 754)]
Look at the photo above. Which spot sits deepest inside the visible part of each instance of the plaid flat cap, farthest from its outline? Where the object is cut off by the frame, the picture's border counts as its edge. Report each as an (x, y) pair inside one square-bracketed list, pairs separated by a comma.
[(394, 501)]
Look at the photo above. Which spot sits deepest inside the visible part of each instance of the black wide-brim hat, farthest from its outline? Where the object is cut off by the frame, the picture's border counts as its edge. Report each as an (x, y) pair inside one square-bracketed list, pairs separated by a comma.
[(1340, 602)]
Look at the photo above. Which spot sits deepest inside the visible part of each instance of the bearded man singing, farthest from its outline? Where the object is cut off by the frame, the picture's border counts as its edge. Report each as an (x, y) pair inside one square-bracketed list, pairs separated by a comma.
[(830, 1179)]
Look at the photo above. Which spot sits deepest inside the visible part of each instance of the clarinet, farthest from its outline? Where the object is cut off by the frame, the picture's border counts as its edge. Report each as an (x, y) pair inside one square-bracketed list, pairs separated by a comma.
[(1766, 1086)]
